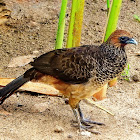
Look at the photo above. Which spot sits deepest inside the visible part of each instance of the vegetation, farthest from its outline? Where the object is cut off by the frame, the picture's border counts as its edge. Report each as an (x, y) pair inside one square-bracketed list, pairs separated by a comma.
[(75, 26), (61, 25), (137, 18)]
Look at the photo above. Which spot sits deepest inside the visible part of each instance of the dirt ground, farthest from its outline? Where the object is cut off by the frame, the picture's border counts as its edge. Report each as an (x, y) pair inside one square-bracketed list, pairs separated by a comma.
[(32, 28)]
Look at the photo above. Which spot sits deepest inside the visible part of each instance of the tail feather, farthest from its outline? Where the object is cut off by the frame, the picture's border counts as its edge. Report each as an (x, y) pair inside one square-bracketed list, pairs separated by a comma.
[(11, 87)]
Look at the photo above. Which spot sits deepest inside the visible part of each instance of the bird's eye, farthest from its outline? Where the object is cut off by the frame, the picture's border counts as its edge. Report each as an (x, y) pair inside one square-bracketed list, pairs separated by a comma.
[(123, 39)]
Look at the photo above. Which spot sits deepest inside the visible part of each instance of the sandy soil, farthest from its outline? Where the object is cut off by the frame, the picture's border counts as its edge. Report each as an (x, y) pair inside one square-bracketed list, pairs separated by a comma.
[(33, 28)]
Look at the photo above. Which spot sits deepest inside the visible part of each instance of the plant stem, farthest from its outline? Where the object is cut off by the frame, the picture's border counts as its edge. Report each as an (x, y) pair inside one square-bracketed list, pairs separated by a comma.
[(108, 6), (75, 26), (61, 25), (112, 18)]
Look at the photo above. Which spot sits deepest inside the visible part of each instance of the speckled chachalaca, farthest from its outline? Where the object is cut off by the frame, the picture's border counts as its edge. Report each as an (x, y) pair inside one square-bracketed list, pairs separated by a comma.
[(79, 72)]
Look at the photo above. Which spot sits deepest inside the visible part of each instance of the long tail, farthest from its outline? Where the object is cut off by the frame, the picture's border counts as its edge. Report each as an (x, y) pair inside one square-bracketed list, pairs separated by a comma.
[(11, 87)]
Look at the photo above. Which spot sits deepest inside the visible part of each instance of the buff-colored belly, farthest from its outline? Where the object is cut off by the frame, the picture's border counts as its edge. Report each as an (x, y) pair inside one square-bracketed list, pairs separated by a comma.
[(75, 92)]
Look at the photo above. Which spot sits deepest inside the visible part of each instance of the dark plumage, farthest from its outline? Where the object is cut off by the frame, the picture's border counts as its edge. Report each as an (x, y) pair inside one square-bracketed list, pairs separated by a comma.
[(69, 65), (78, 72), (78, 64)]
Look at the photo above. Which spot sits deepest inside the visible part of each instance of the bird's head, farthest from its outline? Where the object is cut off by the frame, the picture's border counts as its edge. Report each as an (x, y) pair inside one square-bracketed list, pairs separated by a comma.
[(120, 38)]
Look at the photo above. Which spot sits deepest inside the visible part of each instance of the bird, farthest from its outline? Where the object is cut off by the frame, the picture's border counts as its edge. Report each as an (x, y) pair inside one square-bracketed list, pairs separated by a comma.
[(78, 72)]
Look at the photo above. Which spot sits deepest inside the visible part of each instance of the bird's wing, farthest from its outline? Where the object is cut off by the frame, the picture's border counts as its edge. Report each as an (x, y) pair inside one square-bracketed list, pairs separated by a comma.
[(69, 65)]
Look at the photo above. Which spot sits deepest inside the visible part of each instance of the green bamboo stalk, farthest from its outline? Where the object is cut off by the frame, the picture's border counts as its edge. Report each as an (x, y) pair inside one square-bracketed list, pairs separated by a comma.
[(108, 6), (112, 18), (71, 24), (75, 26), (61, 25)]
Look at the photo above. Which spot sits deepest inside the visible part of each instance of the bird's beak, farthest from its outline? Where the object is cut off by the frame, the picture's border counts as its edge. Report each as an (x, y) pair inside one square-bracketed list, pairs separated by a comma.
[(132, 41)]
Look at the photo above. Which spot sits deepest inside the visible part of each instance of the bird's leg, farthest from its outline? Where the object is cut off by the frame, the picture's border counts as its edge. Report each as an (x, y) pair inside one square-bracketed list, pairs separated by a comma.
[(78, 120), (86, 121), (80, 126)]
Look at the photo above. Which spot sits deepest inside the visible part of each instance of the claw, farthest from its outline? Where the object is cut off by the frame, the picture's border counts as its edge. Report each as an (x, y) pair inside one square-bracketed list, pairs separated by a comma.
[(83, 120), (84, 123), (82, 126), (87, 128), (91, 122)]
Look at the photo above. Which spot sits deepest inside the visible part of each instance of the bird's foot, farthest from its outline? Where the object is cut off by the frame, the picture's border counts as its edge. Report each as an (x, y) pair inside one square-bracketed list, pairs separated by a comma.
[(81, 125), (87, 122), (86, 127), (84, 123)]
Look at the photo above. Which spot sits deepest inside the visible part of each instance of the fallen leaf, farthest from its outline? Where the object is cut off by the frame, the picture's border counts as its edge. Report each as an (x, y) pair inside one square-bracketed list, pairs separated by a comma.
[(33, 87), (21, 61)]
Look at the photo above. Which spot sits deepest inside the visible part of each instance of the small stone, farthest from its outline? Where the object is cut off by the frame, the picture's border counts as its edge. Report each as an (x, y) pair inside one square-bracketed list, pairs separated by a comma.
[(135, 78), (86, 133), (33, 24), (66, 101), (19, 105), (35, 52), (58, 129), (69, 136), (41, 107)]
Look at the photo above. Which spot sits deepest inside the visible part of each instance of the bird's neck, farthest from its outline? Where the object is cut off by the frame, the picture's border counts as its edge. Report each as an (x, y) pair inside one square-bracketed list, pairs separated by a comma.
[(113, 61), (112, 51)]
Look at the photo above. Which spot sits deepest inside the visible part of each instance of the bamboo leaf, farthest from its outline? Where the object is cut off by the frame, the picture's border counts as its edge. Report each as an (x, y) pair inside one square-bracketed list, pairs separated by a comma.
[(37, 87)]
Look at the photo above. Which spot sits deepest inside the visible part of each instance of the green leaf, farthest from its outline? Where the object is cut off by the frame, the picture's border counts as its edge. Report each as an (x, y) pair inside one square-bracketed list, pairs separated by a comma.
[(137, 18)]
